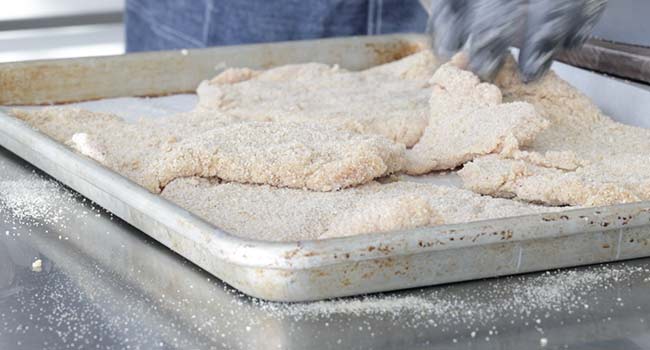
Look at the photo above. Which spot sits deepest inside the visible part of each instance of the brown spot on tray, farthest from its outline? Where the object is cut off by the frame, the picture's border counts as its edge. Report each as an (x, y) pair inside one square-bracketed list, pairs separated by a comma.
[(291, 254), (389, 52), (386, 249), (385, 263), (561, 217)]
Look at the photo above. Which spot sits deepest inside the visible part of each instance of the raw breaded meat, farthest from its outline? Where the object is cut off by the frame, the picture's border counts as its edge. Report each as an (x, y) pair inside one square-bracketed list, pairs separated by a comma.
[(582, 158), (621, 179), (389, 100), (468, 119), (576, 123), (282, 214), (208, 143), (106, 138), (260, 211), (406, 205), (295, 155), (61, 123), (418, 66), (131, 149), (386, 212), (565, 160)]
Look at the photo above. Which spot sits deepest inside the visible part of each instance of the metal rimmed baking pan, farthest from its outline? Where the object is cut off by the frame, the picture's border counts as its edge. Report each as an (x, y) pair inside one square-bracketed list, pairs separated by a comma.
[(310, 270)]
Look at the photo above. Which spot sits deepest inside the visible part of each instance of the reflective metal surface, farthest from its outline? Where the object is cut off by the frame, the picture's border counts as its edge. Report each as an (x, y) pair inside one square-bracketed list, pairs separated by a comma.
[(104, 284)]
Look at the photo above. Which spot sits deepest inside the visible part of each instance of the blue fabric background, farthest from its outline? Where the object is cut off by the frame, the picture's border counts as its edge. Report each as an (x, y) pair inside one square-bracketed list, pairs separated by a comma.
[(177, 24)]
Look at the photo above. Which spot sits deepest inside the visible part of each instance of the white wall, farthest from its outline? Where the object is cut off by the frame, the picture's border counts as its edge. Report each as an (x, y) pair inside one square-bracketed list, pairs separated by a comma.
[(625, 21), (63, 28)]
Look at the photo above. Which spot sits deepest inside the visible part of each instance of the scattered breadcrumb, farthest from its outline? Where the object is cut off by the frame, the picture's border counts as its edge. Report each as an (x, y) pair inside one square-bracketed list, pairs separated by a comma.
[(37, 265), (522, 298), (33, 198)]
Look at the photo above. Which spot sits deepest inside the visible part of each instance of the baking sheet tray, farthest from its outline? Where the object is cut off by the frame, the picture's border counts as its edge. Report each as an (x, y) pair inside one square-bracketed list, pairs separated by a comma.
[(310, 270)]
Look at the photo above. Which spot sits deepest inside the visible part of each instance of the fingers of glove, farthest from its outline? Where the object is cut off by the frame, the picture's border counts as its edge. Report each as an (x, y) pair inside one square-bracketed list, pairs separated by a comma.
[(447, 26), (493, 27), (547, 26), (587, 17)]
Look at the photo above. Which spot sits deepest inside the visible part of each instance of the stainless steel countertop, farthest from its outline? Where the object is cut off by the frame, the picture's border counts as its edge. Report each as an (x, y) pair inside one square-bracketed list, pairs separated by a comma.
[(104, 284)]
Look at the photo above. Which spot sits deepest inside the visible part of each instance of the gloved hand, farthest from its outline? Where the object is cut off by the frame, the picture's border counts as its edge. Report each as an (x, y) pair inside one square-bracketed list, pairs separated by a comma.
[(485, 29)]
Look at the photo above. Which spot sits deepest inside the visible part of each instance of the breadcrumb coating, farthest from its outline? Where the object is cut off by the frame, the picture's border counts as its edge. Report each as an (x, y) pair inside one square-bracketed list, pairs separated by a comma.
[(389, 100), (282, 214), (468, 119)]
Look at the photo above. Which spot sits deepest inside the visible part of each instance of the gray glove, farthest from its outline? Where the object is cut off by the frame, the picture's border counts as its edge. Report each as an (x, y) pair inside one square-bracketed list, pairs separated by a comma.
[(485, 29)]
